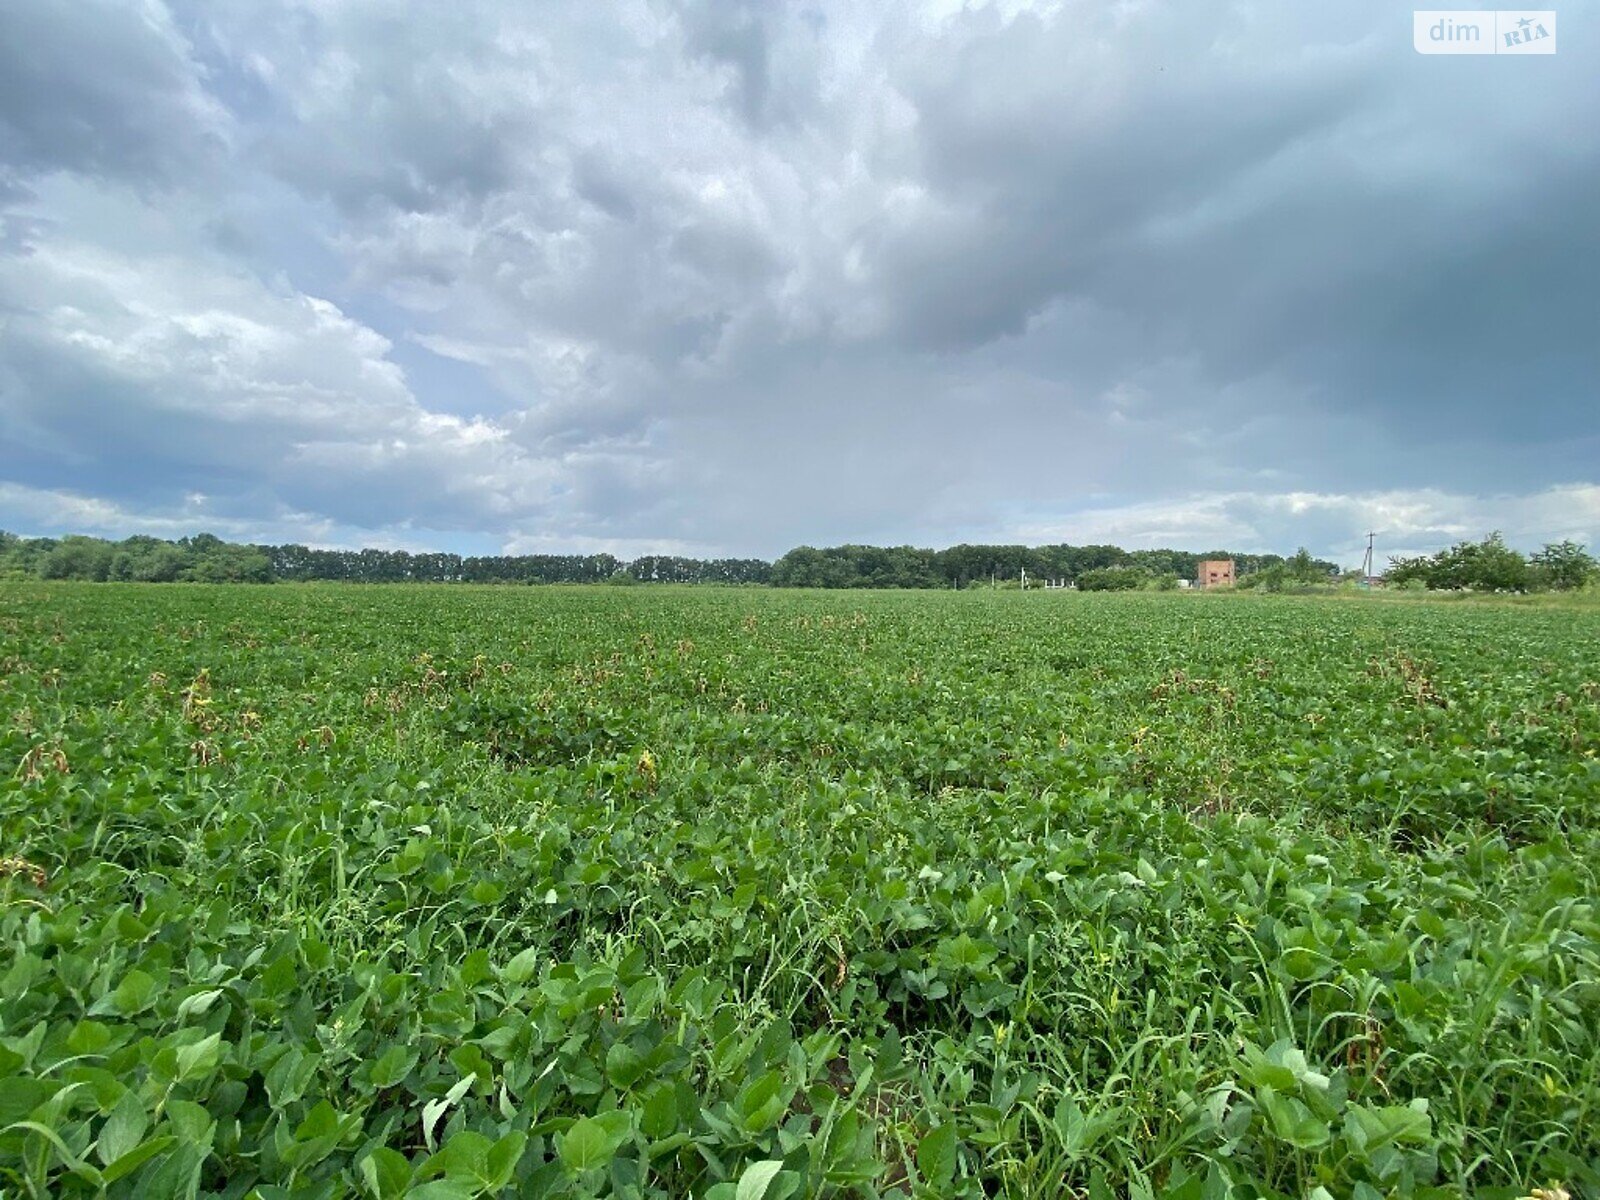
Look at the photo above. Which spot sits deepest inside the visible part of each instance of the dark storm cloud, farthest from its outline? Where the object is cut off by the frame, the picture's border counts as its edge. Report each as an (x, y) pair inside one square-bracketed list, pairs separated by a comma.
[(726, 277), (734, 35), (1054, 165), (377, 107), (100, 87), (1259, 214)]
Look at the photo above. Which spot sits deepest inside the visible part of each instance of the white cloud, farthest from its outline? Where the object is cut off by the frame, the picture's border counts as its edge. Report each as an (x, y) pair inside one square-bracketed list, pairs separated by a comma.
[(211, 372), (1406, 522), (45, 510)]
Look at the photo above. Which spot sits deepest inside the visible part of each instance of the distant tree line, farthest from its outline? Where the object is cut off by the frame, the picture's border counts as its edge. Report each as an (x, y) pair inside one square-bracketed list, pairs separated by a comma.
[(299, 564), (1493, 566), (1489, 565), (206, 558), (203, 558), (1091, 568), (398, 566)]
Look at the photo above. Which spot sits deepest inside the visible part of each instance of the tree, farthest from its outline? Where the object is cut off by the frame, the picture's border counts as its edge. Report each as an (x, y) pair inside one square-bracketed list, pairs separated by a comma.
[(1302, 568), (1273, 578), (147, 560), (78, 558), (1487, 566), (1111, 579), (1494, 566), (1564, 566), (1405, 572)]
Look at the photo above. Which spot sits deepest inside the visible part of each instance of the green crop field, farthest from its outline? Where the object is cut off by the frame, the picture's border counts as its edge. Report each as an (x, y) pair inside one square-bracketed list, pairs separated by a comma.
[(457, 892)]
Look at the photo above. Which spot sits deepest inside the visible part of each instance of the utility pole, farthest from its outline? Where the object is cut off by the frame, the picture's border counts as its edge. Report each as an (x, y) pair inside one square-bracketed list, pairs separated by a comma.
[(1366, 563)]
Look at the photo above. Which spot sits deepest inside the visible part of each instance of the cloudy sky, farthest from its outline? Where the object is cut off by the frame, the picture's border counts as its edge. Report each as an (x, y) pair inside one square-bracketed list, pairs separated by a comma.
[(720, 277)]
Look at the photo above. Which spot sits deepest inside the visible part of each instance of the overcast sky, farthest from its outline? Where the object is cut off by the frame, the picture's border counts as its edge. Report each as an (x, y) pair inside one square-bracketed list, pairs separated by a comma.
[(725, 278)]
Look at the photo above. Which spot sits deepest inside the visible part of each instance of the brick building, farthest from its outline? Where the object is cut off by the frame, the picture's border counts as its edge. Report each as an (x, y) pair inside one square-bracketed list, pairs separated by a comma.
[(1214, 572)]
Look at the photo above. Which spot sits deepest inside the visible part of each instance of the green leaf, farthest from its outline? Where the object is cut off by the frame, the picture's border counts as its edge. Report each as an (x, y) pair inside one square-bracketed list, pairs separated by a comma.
[(288, 1078), (1217, 1186), (592, 1142), (660, 1116), (198, 1004), (434, 1109), (1304, 956), (963, 953), (522, 967), (466, 1153), (624, 1065), (20, 1095), (134, 994), (586, 1146), (1292, 1121), (191, 1122), (1183, 1186), (756, 1179), (175, 1177), (759, 1104), (444, 1189), (88, 1037), (136, 1158), (504, 1156), (199, 1059), (1281, 1067), (68, 1158), (393, 1065), (280, 978), (321, 1121), (123, 1128), (936, 1156), (1369, 1128), (641, 998), (497, 1043), (386, 1173)]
